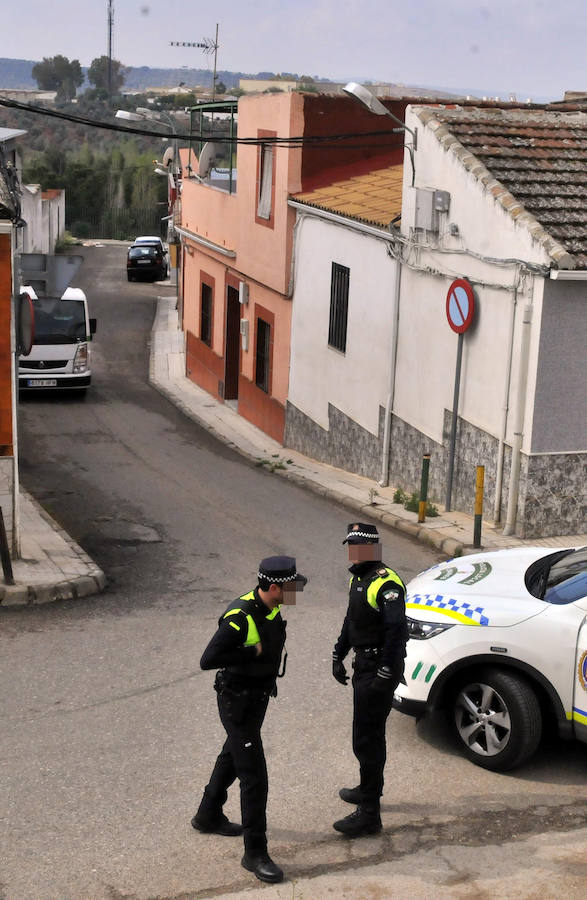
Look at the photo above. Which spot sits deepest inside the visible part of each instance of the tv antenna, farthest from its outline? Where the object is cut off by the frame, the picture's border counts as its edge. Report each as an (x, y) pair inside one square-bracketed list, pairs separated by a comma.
[(208, 46)]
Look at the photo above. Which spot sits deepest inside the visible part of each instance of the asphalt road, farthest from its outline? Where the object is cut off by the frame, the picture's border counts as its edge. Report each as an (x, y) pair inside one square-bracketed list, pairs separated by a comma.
[(108, 728)]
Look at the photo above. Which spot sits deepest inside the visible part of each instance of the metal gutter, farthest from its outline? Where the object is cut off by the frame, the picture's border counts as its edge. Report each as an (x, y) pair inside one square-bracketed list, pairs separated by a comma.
[(568, 275), (204, 242), (341, 220)]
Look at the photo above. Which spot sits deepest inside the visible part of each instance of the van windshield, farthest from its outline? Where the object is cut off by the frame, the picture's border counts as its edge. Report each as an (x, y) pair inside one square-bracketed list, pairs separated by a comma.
[(59, 321)]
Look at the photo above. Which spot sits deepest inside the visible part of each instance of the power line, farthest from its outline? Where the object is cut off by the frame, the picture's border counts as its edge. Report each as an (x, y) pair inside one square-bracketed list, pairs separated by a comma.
[(331, 141)]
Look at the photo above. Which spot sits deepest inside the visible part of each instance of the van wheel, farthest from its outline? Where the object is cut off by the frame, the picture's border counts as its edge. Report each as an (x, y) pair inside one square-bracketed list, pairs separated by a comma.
[(496, 719)]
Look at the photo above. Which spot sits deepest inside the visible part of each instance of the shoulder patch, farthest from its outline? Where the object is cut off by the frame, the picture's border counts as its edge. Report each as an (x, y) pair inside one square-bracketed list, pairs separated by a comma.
[(382, 571), (391, 595)]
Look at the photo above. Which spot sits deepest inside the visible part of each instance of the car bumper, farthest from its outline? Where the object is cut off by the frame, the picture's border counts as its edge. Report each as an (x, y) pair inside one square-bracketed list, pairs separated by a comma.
[(409, 707), (53, 382)]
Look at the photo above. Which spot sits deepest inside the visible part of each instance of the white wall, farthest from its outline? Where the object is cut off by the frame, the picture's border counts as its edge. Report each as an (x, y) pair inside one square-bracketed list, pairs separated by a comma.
[(427, 346), (356, 382), (31, 236)]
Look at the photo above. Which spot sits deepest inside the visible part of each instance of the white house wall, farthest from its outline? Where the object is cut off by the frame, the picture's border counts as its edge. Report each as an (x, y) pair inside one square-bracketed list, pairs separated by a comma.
[(335, 391)]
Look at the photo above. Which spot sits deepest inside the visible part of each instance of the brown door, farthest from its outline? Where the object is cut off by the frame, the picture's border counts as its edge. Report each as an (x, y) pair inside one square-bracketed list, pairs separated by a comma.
[(232, 344)]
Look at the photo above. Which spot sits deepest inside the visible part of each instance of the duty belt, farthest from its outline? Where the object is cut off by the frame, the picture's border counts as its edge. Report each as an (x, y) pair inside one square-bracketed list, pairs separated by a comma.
[(368, 652)]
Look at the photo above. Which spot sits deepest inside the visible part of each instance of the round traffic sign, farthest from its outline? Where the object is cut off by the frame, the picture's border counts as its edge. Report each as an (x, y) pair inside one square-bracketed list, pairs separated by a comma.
[(25, 324), (460, 305)]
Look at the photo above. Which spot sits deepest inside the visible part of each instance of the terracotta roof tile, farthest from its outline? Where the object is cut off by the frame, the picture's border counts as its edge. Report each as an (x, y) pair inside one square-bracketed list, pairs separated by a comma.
[(538, 159), (374, 197)]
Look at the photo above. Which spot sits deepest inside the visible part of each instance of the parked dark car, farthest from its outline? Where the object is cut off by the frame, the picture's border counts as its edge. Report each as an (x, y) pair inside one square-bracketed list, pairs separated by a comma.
[(146, 261)]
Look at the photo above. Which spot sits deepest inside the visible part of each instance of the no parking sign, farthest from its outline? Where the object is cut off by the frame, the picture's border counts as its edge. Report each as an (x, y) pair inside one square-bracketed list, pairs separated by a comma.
[(460, 309), (460, 305)]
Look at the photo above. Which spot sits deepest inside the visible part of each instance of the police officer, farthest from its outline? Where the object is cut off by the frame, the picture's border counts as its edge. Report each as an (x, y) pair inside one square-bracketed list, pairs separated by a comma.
[(375, 627), (247, 649)]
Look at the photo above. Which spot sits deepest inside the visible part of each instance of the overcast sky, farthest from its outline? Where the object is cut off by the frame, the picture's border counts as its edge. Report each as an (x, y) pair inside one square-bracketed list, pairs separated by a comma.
[(534, 48)]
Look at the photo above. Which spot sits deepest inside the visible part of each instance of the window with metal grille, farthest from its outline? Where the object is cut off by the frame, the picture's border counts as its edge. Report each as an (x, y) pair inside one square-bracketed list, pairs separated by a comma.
[(206, 315), (262, 360), (339, 306)]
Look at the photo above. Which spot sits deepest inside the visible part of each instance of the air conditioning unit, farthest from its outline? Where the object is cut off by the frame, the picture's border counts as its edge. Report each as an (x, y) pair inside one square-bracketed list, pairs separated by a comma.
[(243, 292), (244, 329)]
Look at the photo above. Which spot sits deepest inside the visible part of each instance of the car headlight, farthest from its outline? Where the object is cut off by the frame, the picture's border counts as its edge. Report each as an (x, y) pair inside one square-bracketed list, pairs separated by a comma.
[(421, 631), (80, 363)]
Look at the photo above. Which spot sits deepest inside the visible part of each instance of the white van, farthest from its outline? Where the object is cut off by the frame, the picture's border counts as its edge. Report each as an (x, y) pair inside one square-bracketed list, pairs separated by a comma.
[(60, 357)]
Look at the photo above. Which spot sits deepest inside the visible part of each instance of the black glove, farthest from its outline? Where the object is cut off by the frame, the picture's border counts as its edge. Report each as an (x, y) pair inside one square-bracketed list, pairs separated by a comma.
[(339, 671), (385, 681)]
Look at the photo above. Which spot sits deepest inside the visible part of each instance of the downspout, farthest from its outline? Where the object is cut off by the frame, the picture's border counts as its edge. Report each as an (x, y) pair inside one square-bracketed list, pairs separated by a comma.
[(512, 510), (14, 393), (506, 407), (384, 480)]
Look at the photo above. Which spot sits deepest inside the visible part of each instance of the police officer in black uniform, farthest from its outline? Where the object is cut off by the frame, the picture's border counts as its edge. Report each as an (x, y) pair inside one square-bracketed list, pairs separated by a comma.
[(247, 649), (375, 627)]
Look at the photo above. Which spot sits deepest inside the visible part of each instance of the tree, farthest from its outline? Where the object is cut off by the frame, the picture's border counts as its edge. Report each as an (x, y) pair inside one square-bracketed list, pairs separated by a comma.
[(220, 87), (98, 74), (58, 73)]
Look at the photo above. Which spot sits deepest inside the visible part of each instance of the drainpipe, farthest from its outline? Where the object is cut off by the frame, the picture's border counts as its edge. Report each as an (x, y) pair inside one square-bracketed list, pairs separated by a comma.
[(14, 392), (506, 406), (519, 421), (384, 480)]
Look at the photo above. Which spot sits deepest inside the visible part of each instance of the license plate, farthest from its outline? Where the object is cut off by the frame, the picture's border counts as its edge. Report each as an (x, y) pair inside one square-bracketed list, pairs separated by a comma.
[(41, 382), (143, 262)]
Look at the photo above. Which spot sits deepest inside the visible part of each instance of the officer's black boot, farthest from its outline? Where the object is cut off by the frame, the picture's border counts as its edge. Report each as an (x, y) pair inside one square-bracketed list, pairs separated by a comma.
[(261, 865), (210, 819), (365, 820), (351, 795)]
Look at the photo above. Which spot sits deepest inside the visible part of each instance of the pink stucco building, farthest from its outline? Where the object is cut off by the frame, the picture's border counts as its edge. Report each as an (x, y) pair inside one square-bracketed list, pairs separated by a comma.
[(237, 245)]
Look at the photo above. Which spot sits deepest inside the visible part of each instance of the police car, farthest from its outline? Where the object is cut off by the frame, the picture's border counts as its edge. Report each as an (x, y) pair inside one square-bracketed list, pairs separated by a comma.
[(499, 640)]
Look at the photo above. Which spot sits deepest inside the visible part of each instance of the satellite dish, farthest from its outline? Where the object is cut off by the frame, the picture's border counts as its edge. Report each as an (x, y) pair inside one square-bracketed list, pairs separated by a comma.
[(209, 153), (168, 156)]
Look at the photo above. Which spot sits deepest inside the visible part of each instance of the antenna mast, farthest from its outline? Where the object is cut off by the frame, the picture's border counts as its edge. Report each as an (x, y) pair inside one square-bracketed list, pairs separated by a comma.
[(110, 26), (208, 46)]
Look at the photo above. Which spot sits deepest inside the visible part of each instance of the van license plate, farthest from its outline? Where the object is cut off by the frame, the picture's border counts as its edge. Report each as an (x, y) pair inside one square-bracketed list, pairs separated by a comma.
[(42, 382)]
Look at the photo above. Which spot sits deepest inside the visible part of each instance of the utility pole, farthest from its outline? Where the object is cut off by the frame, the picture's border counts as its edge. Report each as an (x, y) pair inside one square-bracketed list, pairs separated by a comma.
[(110, 26)]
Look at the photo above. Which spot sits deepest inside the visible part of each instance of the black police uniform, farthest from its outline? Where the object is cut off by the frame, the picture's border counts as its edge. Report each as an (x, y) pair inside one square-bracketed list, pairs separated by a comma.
[(375, 627), (244, 684)]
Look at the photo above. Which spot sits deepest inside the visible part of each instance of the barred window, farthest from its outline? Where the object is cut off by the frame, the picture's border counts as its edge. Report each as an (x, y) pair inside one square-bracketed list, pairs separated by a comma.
[(339, 304), (262, 360), (206, 315)]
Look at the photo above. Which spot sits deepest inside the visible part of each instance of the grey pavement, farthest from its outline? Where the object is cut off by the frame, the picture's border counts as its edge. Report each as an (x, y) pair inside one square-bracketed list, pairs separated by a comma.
[(53, 567)]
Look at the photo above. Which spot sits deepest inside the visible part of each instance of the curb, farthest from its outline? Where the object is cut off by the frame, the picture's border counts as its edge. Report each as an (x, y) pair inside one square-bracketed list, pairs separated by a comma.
[(69, 588)]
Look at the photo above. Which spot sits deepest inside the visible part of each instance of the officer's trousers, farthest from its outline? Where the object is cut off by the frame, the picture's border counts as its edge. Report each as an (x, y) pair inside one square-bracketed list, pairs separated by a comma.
[(370, 712), (242, 757)]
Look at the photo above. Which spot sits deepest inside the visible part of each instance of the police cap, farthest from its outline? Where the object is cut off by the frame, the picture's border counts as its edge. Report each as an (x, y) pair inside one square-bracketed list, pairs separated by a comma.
[(279, 570), (361, 533)]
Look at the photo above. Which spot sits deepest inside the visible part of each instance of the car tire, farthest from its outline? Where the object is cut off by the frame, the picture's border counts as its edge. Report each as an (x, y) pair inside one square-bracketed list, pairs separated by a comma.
[(496, 719), (129, 276)]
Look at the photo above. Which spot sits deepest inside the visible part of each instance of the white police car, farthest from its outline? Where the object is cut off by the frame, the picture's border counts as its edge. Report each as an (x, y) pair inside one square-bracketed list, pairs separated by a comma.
[(500, 641)]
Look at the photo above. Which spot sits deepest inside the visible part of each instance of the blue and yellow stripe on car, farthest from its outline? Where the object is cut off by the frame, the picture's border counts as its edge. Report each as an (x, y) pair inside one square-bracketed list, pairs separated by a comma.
[(465, 613), (579, 715)]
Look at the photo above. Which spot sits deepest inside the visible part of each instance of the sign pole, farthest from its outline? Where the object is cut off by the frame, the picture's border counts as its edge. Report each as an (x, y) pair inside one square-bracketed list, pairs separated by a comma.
[(453, 432)]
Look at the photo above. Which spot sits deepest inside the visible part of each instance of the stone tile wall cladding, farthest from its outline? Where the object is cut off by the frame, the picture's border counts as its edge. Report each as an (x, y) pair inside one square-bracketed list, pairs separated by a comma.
[(345, 444), (553, 494), (553, 487)]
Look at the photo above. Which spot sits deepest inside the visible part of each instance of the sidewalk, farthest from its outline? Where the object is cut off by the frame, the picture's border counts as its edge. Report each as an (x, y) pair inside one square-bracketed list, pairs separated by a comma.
[(54, 567), (451, 533)]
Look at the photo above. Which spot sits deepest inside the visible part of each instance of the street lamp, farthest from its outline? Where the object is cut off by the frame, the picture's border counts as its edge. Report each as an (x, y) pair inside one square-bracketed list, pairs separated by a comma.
[(364, 96)]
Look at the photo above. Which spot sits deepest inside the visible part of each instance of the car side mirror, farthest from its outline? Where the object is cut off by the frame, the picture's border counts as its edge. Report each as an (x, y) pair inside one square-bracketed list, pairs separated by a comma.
[(93, 326)]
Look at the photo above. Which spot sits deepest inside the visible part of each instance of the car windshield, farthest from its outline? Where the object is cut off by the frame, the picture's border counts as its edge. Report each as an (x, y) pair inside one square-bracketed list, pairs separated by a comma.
[(146, 251), (59, 321), (560, 577)]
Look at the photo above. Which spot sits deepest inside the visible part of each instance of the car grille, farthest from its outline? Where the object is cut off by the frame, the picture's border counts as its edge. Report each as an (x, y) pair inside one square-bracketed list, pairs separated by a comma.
[(44, 364)]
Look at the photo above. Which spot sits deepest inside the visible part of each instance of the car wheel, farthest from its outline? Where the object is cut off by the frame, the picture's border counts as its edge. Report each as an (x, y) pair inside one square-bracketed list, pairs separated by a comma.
[(496, 719), (129, 276)]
